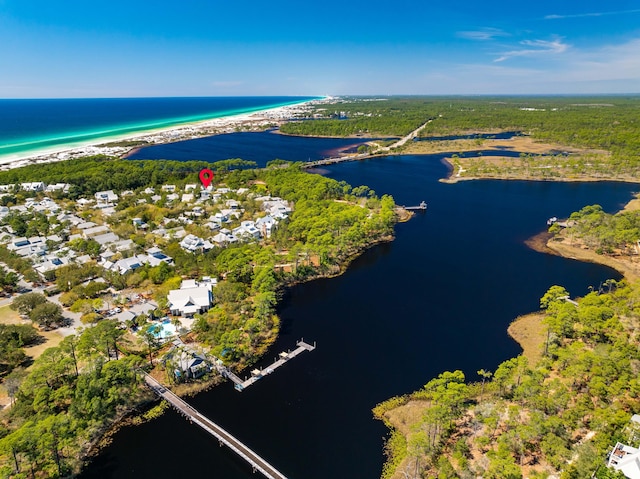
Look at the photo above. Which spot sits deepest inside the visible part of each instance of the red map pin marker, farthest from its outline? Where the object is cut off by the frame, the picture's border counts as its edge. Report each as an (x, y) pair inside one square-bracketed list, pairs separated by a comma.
[(206, 176)]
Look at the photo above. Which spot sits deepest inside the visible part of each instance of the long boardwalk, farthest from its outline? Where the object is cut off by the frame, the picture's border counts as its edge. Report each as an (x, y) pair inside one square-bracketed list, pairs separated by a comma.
[(258, 463), (258, 374)]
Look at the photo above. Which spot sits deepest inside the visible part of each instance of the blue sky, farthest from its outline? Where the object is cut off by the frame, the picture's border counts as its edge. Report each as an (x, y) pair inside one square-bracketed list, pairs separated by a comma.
[(117, 48)]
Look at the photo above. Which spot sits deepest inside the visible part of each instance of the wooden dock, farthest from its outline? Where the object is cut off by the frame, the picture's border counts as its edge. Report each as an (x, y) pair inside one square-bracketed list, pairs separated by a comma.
[(257, 374), (421, 207), (256, 462)]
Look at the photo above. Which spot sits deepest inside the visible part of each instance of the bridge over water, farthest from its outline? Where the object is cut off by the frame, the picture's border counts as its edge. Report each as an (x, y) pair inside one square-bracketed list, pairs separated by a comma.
[(257, 462)]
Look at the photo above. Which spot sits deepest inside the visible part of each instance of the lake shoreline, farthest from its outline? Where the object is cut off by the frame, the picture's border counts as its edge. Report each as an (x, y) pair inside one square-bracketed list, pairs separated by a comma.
[(135, 415), (527, 330)]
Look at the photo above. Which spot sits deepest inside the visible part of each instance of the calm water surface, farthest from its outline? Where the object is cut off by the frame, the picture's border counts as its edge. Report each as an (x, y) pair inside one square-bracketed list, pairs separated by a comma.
[(440, 297), (260, 147)]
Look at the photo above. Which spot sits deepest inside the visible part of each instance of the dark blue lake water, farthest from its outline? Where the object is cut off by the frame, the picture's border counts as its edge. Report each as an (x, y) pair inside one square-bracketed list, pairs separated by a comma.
[(260, 147), (504, 135), (440, 297)]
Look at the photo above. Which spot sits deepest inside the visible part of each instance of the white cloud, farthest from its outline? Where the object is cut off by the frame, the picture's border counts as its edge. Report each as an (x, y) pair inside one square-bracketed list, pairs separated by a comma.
[(483, 34), (535, 48), (604, 69), (593, 14)]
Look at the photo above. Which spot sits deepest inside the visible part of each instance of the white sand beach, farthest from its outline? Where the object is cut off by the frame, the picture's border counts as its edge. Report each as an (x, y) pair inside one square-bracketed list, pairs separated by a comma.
[(105, 145)]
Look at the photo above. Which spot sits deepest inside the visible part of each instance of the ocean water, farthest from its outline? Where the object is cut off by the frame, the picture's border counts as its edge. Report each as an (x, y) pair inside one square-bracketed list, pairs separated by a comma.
[(31, 126)]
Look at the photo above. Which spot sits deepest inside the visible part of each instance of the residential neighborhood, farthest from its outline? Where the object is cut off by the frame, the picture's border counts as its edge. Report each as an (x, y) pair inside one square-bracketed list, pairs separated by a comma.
[(116, 234)]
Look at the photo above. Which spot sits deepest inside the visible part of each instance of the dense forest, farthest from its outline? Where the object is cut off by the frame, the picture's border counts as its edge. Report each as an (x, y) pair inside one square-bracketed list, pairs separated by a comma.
[(608, 126), (392, 116), (99, 173)]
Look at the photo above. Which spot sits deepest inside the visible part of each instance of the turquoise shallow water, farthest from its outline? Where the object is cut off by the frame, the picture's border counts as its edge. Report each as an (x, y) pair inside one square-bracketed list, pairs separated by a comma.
[(32, 126)]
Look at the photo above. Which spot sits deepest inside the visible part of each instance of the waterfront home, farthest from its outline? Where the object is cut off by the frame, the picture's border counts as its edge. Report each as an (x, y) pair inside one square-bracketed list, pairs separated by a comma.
[(190, 365)]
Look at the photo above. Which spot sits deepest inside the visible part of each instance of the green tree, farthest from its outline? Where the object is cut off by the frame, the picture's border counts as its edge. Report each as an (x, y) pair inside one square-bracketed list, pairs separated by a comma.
[(46, 314), (25, 303)]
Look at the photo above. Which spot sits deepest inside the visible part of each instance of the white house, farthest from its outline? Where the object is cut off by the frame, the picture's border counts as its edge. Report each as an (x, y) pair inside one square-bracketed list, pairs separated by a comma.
[(127, 264), (247, 230), (95, 231), (64, 187), (266, 225), (190, 299), (33, 186), (107, 196), (192, 244), (625, 459)]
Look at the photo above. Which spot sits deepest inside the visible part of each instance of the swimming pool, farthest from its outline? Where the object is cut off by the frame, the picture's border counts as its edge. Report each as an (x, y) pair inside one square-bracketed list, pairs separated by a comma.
[(163, 330)]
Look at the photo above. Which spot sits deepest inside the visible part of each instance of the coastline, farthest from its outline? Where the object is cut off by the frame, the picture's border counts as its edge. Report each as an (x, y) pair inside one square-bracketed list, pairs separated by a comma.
[(107, 144)]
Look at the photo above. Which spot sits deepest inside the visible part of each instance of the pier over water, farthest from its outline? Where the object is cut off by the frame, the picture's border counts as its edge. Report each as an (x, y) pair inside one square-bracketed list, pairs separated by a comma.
[(258, 374), (257, 462)]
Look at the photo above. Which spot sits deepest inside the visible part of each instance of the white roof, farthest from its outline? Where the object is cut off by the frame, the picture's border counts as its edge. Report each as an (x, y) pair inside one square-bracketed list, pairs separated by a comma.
[(182, 299), (626, 459)]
